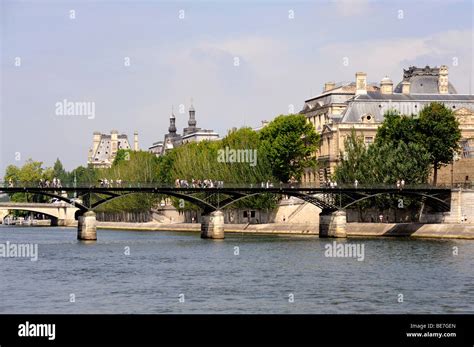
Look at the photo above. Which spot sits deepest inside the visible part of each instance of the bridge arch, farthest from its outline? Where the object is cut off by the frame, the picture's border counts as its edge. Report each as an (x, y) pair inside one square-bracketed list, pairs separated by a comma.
[(310, 198), (52, 195), (432, 199), (207, 207)]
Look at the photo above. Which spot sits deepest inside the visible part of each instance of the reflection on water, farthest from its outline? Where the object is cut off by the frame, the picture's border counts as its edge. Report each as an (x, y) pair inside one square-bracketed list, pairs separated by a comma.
[(270, 274)]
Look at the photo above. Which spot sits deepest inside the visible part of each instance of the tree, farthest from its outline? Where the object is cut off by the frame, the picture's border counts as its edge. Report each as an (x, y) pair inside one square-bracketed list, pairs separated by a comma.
[(289, 143), (29, 174), (354, 164), (397, 128), (58, 170), (386, 161), (438, 130)]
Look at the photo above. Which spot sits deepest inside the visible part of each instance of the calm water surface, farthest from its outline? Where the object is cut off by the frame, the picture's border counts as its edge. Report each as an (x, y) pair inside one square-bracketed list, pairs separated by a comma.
[(163, 265)]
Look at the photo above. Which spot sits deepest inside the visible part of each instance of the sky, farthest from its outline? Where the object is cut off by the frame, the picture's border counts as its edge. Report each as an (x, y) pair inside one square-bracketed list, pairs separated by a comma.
[(240, 62)]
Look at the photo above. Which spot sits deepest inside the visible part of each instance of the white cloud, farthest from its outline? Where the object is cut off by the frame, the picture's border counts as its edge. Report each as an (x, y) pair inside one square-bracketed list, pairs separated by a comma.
[(388, 56)]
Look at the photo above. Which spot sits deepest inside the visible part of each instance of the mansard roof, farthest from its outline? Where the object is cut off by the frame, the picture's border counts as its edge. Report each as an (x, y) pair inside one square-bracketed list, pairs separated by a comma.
[(376, 104)]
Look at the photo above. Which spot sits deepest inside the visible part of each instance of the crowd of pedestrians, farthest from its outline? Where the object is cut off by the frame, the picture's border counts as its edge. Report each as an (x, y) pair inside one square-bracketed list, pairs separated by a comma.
[(105, 183), (55, 183), (207, 183)]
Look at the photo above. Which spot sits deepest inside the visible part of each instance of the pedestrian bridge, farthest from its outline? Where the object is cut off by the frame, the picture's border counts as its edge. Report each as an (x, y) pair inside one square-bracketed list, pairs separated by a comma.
[(62, 214), (333, 201)]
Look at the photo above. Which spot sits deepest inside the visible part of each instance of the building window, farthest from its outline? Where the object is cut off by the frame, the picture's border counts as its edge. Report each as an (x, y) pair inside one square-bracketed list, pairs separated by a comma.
[(252, 214), (245, 214), (368, 140)]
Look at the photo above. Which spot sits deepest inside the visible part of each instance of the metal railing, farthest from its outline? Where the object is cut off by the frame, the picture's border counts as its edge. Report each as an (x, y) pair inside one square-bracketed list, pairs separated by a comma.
[(227, 185)]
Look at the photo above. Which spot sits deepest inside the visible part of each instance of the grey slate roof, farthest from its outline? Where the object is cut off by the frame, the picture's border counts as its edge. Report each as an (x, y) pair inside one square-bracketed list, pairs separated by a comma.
[(376, 104), (424, 85)]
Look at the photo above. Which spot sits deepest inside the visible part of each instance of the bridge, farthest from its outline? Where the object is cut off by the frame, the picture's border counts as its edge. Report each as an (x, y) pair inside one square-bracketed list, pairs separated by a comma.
[(61, 214), (333, 201)]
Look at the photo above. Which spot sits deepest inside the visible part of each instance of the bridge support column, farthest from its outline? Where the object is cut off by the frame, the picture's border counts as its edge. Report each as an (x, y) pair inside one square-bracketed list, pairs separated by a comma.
[(212, 225), (332, 224), (87, 226)]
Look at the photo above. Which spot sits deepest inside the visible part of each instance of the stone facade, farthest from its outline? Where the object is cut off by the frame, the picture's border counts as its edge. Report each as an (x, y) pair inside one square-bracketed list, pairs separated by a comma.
[(361, 106), (104, 148)]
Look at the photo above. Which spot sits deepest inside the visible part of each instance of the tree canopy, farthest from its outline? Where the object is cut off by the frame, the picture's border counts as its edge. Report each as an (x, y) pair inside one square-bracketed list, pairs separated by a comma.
[(405, 147), (289, 143), (439, 132)]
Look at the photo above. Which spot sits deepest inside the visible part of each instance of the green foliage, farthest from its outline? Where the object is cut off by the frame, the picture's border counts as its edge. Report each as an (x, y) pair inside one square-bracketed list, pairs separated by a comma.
[(200, 161), (389, 159), (83, 176), (354, 164), (30, 174), (289, 143), (390, 162), (58, 171), (439, 132), (122, 155), (132, 167), (397, 128)]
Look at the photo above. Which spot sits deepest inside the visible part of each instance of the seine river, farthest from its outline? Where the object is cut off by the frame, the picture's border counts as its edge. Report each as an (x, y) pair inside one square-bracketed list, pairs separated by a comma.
[(177, 272)]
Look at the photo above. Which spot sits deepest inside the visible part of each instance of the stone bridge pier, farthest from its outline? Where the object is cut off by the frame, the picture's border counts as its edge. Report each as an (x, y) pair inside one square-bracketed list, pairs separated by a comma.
[(212, 225), (87, 227), (332, 224)]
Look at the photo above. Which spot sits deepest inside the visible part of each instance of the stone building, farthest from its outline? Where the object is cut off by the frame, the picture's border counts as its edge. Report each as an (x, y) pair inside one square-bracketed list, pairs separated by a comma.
[(105, 146), (361, 106), (190, 134)]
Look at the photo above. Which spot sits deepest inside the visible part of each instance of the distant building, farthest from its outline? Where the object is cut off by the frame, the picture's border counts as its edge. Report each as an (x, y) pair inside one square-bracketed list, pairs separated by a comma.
[(190, 134), (263, 125), (104, 148), (361, 106)]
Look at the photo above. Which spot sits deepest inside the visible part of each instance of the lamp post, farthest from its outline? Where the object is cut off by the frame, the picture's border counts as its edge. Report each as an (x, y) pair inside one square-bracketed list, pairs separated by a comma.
[(455, 158)]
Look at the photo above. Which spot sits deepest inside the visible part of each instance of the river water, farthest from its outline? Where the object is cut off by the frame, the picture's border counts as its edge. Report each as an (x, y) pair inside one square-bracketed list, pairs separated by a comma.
[(178, 272)]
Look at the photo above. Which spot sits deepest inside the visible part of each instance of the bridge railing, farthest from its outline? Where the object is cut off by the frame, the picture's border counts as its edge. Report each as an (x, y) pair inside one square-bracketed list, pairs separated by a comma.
[(222, 185)]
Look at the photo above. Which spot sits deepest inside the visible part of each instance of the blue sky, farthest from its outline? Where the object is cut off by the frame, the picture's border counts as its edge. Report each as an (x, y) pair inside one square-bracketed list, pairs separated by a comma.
[(283, 61)]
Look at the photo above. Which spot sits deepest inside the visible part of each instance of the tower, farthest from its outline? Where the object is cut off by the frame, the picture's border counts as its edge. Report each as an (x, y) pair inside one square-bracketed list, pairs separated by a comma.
[(191, 128), (443, 79), (135, 141), (192, 117), (172, 127)]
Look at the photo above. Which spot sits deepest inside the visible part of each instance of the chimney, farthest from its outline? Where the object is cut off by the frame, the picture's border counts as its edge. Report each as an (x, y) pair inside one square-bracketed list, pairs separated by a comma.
[(95, 144), (329, 86), (135, 141), (405, 87), (361, 83), (386, 86), (96, 140), (443, 80), (113, 142)]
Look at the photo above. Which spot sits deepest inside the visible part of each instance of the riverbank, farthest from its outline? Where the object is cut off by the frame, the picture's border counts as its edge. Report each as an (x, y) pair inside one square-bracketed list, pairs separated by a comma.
[(453, 231)]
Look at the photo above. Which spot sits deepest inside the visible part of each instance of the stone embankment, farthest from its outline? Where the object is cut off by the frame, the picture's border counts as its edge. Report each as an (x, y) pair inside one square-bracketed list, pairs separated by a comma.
[(458, 231)]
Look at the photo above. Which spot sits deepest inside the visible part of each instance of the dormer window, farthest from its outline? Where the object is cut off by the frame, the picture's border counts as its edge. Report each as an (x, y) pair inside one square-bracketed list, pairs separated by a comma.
[(367, 118)]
